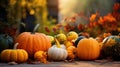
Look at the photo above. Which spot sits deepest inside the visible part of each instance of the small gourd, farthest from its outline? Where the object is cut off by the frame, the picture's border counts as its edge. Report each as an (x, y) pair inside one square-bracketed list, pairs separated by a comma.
[(16, 55), (57, 52), (71, 52), (41, 56), (72, 35), (68, 43), (61, 37), (6, 42)]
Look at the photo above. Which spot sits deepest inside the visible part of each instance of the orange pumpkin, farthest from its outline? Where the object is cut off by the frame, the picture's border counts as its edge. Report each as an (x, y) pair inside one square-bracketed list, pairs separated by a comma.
[(71, 52), (40, 56), (33, 42), (88, 49), (14, 55)]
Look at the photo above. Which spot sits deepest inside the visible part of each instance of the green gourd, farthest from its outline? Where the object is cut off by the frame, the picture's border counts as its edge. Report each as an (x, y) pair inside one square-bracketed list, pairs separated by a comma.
[(5, 42), (111, 47)]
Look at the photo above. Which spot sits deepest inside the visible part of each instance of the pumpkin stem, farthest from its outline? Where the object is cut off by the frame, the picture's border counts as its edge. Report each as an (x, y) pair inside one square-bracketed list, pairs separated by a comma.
[(15, 46), (57, 43), (35, 28)]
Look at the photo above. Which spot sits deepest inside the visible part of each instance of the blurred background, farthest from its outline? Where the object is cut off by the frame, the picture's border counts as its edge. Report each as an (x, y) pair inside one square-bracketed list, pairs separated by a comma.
[(55, 16)]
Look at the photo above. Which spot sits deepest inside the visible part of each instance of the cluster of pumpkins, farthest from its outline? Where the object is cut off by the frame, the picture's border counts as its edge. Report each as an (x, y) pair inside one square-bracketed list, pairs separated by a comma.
[(43, 47)]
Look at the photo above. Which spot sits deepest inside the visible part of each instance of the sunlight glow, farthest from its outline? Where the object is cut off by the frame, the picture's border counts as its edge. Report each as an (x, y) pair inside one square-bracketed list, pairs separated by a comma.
[(70, 7)]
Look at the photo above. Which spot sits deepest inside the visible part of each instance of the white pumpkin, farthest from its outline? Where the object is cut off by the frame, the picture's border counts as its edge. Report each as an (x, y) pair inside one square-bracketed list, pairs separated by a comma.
[(57, 52)]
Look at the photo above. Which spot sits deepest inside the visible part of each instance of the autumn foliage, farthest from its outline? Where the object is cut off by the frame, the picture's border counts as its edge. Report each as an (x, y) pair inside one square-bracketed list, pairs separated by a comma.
[(96, 23)]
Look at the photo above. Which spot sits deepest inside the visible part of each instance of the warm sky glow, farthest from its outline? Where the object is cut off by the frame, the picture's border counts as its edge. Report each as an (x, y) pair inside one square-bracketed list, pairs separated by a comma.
[(70, 7), (67, 6)]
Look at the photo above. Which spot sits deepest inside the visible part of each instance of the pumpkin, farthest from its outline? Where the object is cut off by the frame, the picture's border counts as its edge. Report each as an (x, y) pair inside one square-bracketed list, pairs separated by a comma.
[(16, 55), (72, 35), (61, 37), (40, 56), (110, 44), (6, 42), (33, 42), (88, 49), (71, 52), (57, 53)]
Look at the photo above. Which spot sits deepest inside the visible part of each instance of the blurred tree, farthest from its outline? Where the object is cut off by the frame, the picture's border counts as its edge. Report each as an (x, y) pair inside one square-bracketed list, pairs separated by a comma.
[(24, 14)]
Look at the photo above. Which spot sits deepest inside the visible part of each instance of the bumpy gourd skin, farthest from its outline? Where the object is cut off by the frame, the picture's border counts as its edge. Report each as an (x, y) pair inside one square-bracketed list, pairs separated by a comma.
[(116, 51), (72, 36), (61, 37), (6, 42), (111, 47)]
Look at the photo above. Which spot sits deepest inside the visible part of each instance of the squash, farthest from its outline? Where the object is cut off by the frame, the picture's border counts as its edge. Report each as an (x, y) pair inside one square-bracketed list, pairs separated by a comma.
[(40, 56), (110, 47), (88, 49), (57, 53), (6, 42), (16, 55), (110, 41), (68, 43), (116, 52), (33, 42), (72, 35), (78, 39), (61, 37), (71, 52)]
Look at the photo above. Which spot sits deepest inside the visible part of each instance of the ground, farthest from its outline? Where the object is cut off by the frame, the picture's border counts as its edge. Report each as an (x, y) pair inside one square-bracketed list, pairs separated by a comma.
[(67, 64)]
